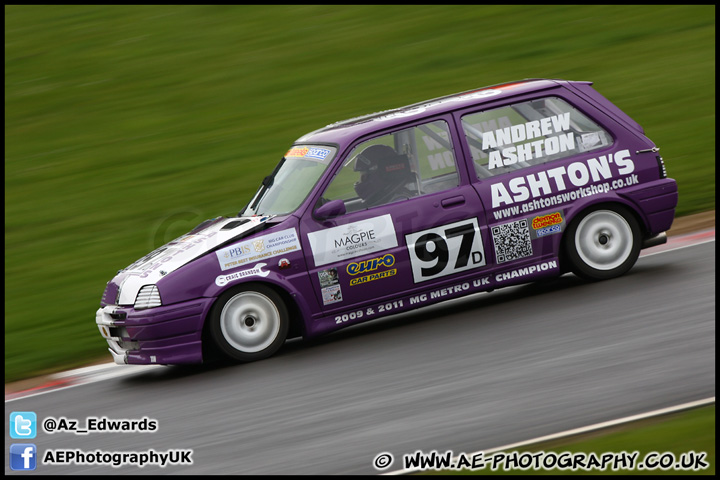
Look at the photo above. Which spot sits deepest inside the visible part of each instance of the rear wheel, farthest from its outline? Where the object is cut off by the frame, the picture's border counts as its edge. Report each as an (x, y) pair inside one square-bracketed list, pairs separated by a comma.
[(603, 243), (249, 322)]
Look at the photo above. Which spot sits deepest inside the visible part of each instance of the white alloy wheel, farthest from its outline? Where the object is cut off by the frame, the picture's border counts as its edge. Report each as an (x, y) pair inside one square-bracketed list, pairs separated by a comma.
[(249, 323), (604, 240), (603, 243)]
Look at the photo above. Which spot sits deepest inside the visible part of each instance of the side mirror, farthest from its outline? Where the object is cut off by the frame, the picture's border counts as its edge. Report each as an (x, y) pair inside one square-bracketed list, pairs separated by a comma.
[(331, 209)]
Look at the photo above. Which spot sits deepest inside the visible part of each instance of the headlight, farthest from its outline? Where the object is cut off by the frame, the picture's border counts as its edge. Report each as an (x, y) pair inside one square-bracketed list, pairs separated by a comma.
[(148, 297)]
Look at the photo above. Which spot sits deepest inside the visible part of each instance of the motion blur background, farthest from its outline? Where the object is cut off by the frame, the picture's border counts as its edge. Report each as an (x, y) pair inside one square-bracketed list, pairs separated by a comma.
[(125, 126)]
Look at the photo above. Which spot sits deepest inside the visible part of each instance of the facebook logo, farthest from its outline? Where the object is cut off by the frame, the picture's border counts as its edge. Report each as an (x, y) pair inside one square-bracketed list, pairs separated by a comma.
[(23, 456), (23, 425)]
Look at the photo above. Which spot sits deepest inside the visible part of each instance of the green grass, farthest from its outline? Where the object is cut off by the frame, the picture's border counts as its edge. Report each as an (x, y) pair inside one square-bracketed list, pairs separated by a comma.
[(677, 434), (125, 126)]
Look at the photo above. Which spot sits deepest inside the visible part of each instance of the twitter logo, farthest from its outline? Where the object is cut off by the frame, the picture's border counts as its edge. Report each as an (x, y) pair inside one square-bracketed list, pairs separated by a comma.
[(23, 425)]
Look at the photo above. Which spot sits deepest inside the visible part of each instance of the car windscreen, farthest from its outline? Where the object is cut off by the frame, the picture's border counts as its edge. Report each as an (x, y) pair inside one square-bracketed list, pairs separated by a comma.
[(291, 182)]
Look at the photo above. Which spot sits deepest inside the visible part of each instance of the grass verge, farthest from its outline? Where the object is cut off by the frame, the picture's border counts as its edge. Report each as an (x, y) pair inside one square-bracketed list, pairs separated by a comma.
[(685, 438)]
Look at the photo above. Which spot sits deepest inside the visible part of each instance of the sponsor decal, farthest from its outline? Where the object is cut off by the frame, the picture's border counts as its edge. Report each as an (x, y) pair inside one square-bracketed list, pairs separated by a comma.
[(352, 240), (526, 271), (374, 276), (562, 198), (331, 295), (479, 284), (297, 152), (546, 220), (543, 130), (223, 280), (356, 268), (548, 231), (559, 179), (328, 277), (549, 224), (445, 250), (329, 286), (257, 249), (315, 153), (319, 153), (589, 140), (447, 291)]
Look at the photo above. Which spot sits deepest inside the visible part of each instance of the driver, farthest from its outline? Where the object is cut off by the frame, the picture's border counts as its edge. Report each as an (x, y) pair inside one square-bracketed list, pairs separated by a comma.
[(384, 175)]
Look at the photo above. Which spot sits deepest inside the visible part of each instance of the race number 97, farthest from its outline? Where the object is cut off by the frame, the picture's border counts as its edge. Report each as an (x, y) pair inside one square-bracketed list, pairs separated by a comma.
[(445, 250)]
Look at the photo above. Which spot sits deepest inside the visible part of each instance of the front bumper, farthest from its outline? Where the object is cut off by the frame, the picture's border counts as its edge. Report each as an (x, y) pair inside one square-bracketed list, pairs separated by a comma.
[(164, 335)]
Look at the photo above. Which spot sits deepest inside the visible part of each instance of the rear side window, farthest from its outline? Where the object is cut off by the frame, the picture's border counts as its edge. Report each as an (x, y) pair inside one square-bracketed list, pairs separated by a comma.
[(529, 133)]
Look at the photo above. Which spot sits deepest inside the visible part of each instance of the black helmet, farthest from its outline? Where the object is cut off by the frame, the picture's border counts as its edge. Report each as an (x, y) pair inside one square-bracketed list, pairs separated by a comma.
[(383, 172)]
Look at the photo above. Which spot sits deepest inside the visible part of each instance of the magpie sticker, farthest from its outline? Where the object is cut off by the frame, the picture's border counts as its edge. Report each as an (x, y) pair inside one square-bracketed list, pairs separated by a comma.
[(352, 240)]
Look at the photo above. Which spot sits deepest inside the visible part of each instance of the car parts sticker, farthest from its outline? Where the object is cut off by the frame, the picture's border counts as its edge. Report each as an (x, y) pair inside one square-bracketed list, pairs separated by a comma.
[(365, 266)]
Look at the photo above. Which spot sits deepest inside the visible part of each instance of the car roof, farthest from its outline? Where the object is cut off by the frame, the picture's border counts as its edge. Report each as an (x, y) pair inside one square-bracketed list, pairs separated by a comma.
[(344, 132)]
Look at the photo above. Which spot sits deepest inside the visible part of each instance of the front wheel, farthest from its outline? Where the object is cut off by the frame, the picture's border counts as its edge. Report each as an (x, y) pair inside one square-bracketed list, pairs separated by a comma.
[(249, 323), (603, 243)]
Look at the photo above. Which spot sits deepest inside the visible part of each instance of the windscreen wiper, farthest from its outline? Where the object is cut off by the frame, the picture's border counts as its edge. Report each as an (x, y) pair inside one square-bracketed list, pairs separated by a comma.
[(266, 184)]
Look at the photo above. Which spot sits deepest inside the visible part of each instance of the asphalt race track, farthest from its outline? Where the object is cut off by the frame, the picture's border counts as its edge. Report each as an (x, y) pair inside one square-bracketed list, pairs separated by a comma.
[(470, 374)]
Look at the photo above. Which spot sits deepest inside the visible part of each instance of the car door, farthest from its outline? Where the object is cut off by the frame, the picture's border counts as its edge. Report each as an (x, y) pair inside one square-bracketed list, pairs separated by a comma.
[(384, 246)]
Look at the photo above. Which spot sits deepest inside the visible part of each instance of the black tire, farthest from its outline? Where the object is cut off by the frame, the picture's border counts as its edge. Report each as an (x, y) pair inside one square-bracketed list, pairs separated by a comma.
[(249, 322), (603, 242)]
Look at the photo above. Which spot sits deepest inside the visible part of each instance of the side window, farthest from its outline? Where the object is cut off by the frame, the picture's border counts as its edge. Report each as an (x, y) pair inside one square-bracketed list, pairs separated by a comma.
[(395, 167), (436, 157), (529, 133)]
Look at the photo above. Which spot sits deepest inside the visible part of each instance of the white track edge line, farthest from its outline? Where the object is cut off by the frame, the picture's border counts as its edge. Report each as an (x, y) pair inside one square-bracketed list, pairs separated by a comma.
[(589, 428), (679, 247)]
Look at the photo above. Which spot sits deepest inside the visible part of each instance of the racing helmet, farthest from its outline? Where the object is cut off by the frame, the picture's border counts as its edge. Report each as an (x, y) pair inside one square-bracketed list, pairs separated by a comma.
[(382, 173)]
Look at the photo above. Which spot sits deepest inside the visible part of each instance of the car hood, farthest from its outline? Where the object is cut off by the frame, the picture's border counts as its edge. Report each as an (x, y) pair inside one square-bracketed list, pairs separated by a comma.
[(204, 238)]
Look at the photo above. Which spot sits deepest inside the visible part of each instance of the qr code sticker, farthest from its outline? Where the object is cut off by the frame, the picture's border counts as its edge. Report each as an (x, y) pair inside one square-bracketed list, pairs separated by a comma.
[(512, 241)]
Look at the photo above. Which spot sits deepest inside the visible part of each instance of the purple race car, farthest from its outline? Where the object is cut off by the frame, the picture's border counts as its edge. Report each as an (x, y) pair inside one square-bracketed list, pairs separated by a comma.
[(398, 210)]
